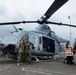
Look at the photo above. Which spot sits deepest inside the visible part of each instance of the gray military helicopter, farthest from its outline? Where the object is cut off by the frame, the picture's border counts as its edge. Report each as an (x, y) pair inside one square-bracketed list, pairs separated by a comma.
[(45, 41)]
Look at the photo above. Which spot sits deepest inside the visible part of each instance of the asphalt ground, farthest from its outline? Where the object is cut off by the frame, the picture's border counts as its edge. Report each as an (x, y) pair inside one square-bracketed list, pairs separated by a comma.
[(9, 66)]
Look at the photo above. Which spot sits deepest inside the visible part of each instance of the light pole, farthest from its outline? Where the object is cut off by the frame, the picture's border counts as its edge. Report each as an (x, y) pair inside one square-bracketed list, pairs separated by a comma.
[(70, 27)]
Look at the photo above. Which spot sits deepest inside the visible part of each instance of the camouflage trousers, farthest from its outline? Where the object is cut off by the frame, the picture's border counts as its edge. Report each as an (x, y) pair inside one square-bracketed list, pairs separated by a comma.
[(20, 58), (28, 57)]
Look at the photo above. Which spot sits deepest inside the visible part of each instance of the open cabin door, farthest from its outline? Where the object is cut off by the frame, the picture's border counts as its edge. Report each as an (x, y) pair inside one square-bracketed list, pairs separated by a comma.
[(48, 44)]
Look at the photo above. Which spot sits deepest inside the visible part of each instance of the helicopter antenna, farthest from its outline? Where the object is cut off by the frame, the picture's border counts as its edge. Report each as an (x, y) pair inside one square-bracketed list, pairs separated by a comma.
[(15, 28)]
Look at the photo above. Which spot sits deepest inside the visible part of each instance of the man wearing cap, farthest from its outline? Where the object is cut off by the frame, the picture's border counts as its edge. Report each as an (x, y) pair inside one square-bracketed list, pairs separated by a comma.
[(27, 46)]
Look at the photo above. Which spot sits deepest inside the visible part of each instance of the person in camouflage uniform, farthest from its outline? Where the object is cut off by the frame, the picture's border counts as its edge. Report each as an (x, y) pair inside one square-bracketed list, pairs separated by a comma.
[(20, 52), (27, 47)]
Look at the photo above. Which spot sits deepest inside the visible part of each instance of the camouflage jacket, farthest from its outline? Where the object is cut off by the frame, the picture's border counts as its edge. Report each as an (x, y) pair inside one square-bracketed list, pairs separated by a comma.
[(21, 47), (27, 46)]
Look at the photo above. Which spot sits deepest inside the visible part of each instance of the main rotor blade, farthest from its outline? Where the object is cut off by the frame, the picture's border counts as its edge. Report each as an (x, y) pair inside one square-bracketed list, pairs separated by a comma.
[(52, 9), (9, 23), (48, 22)]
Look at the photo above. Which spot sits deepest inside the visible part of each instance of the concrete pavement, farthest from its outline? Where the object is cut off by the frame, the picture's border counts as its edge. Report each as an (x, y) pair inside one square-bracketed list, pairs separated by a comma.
[(52, 67)]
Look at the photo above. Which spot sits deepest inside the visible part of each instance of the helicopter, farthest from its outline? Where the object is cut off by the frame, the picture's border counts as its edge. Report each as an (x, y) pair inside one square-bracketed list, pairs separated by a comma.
[(42, 37)]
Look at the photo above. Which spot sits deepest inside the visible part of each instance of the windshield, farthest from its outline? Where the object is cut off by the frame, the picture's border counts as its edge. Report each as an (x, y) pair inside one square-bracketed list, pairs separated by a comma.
[(15, 35)]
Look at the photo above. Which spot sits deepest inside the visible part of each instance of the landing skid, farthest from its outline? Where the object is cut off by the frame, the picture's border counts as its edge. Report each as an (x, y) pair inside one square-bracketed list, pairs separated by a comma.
[(53, 57), (34, 58), (37, 59)]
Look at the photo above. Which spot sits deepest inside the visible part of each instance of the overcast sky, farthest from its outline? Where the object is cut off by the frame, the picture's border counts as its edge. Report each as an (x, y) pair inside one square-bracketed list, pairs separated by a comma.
[(19, 10)]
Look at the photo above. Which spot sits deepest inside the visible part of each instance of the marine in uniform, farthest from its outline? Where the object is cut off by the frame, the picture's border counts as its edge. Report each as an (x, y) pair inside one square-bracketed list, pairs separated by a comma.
[(27, 47), (20, 52)]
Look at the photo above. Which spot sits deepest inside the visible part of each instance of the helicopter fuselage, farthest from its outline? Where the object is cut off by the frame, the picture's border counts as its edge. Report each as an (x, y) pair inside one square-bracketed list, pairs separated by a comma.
[(39, 38)]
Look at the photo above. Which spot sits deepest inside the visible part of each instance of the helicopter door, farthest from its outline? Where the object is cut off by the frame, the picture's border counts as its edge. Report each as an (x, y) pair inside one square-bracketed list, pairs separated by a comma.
[(34, 39), (48, 44)]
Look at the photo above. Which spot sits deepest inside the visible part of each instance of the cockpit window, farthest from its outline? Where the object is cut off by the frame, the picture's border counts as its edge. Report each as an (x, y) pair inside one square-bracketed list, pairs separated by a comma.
[(14, 35)]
